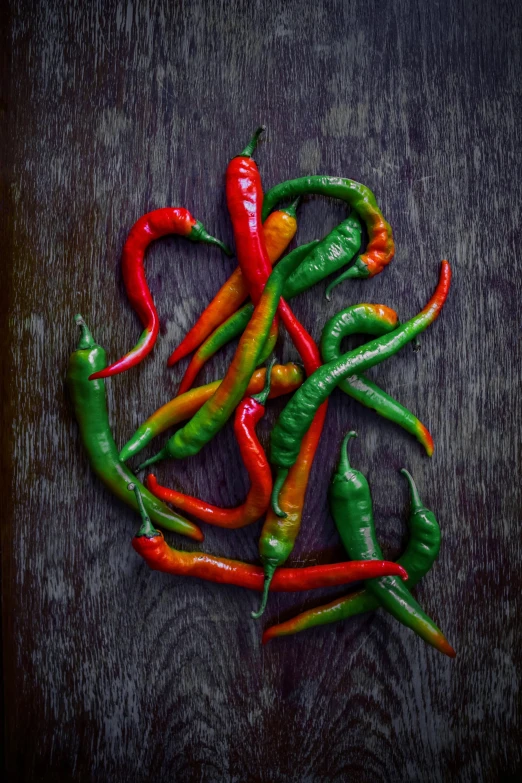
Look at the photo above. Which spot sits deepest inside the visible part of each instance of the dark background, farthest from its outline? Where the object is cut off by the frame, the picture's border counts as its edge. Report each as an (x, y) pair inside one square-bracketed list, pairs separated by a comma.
[(116, 673)]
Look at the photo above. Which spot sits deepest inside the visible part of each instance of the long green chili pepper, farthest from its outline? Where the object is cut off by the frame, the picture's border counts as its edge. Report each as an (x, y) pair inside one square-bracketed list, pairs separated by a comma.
[(351, 506), (380, 249), (90, 407), (421, 552), (365, 319), (213, 415), (298, 414)]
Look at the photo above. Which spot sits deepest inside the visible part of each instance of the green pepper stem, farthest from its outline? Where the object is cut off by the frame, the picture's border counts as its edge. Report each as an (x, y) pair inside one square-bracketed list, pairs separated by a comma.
[(359, 271), (252, 144), (261, 398), (269, 575), (292, 209), (163, 454), (199, 233), (282, 473), (86, 338), (344, 462), (416, 502), (147, 529)]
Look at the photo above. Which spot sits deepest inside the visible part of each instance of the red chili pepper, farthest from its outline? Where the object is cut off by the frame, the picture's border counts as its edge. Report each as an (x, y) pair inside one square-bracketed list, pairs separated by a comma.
[(156, 224), (248, 413)]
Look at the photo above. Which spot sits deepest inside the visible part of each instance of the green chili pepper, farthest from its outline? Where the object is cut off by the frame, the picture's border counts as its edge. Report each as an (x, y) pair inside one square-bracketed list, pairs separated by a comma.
[(213, 415), (298, 414), (421, 552), (351, 506), (366, 319), (380, 249), (90, 407)]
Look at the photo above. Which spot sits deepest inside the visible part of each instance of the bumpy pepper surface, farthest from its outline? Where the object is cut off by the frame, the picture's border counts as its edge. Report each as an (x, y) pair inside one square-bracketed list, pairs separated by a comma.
[(156, 224), (351, 507), (90, 408), (421, 552), (380, 249)]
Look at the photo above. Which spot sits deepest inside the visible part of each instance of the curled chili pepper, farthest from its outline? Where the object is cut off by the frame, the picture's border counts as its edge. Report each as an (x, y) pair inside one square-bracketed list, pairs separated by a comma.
[(150, 544), (279, 229), (380, 249), (351, 506), (296, 417), (286, 378), (156, 224), (249, 413), (421, 552), (90, 408), (216, 411), (375, 320)]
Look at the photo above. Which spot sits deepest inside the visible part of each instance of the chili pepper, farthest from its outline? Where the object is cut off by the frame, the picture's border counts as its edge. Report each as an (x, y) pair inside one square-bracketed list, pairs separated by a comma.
[(90, 407), (156, 224), (380, 249), (286, 378), (216, 411), (296, 417), (351, 506), (150, 544), (279, 229), (280, 531), (359, 319), (229, 329), (420, 554), (248, 414)]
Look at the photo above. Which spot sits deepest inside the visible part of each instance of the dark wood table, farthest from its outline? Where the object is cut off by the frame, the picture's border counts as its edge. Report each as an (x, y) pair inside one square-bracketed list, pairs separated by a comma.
[(116, 673)]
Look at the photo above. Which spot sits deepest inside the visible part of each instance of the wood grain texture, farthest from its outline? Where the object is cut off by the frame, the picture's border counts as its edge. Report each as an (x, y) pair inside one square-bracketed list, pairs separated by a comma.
[(116, 673)]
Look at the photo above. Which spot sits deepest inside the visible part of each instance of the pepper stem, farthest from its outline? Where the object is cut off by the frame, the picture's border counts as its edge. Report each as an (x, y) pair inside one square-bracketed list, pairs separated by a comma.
[(282, 473), (147, 529), (252, 144), (199, 233), (269, 575), (261, 398), (344, 462), (416, 502), (86, 338), (292, 209), (163, 454), (359, 271)]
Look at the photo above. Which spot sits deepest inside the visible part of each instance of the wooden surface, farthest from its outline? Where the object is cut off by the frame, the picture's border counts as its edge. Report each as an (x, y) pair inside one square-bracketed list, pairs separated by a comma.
[(115, 673)]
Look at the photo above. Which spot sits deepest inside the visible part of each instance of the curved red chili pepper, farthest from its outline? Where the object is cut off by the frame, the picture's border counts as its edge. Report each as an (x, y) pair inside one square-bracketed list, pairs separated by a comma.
[(161, 557), (156, 224), (248, 413)]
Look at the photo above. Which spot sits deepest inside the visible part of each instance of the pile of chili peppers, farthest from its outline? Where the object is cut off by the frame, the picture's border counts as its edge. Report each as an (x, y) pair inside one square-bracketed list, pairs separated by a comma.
[(252, 305)]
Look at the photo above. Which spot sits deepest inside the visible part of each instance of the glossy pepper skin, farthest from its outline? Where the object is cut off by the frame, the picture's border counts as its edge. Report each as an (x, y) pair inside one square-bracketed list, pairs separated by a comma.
[(216, 411), (159, 556), (90, 408), (296, 417), (351, 507), (249, 413), (375, 320), (320, 259), (286, 378), (156, 224), (233, 327), (279, 229), (418, 558), (380, 249), (280, 531)]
